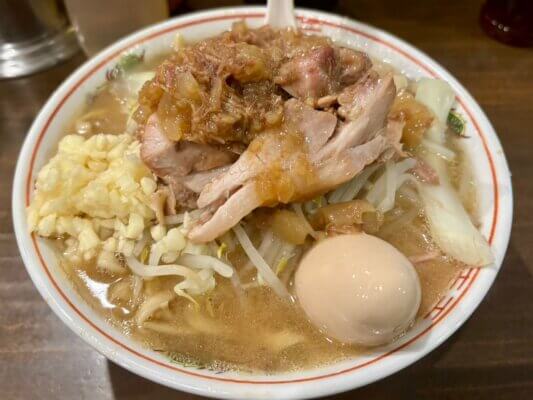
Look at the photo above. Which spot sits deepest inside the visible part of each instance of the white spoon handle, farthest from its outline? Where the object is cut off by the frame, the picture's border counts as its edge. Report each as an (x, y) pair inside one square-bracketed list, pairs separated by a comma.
[(280, 14)]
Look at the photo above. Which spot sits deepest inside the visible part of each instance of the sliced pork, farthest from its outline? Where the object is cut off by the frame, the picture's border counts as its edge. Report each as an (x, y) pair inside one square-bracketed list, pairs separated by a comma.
[(316, 127), (166, 157), (254, 118), (321, 72), (277, 168), (309, 76), (180, 163)]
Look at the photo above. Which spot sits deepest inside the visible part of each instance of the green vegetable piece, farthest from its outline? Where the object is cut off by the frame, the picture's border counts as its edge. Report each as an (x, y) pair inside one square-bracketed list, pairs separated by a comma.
[(130, 60), (124, 64), (222, 250), (282, 265), (456, 123), (145, 253)]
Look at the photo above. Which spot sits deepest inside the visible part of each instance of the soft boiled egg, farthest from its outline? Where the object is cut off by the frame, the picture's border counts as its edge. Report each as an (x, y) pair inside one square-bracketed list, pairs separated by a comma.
[(358, 289)]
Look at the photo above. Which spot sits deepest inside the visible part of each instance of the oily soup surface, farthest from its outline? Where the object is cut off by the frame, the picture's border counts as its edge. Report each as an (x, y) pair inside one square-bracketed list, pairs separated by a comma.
[(251, 333), (251, 330)]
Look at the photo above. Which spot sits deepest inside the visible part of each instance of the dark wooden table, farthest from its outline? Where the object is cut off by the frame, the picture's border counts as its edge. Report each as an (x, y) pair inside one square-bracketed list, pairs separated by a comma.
[(490, 357)]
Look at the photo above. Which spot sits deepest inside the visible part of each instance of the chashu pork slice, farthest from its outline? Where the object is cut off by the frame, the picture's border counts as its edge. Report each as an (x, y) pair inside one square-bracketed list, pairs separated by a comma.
[(309, 156)]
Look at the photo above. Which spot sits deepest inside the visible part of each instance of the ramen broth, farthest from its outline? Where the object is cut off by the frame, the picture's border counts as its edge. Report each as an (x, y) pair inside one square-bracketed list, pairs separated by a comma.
[(252, 330), (247, 333)]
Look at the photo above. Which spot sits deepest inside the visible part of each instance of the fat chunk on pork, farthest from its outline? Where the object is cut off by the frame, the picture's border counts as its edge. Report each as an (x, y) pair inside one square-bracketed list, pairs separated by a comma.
[(184, 166), (315, 128), (166, 157), (282, 167), (322, 71)]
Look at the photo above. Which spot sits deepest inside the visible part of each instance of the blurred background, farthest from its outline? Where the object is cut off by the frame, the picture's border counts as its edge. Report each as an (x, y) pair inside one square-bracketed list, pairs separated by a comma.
[(486, 44)]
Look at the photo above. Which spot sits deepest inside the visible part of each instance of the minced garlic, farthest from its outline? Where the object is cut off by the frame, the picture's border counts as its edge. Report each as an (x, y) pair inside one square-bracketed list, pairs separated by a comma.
[(97, 192)]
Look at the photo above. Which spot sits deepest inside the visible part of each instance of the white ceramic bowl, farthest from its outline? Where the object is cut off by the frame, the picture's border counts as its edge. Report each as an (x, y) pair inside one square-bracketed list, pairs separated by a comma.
[(491, 173)]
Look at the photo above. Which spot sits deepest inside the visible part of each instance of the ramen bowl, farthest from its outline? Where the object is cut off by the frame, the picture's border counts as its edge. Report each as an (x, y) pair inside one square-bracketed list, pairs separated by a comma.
[(490, 172)]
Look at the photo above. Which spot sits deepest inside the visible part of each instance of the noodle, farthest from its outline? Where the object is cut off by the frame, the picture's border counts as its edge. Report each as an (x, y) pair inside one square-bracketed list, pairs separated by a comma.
[(167, 328), (151, 305), (438, 149), (383, 192), (262, 267), (201, 261), (298, 209), (174, 219)]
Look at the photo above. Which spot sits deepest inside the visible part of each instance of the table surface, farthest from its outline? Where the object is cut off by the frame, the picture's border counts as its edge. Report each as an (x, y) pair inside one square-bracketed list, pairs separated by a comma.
[(491, 356)]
